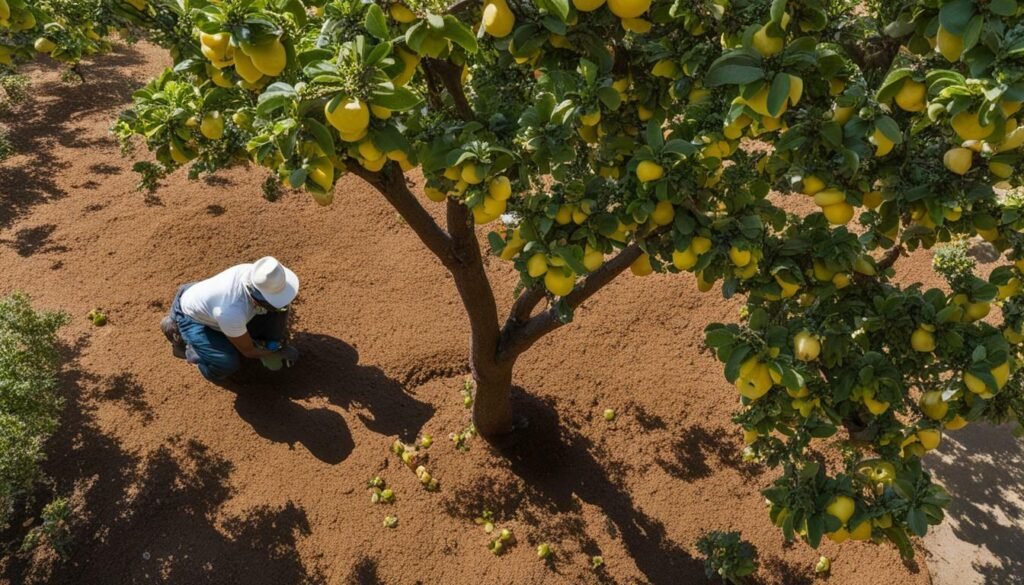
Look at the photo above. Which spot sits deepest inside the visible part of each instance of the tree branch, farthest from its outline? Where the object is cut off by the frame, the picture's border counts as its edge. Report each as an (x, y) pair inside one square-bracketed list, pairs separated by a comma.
[(390, 182), (474, 288), (451, 76), (890, 257), (872, 54), (523, 308), (522, 336), (461, 6)]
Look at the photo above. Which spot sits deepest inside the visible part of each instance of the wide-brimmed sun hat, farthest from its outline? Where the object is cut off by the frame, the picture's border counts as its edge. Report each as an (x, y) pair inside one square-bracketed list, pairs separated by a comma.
[(275, 283)]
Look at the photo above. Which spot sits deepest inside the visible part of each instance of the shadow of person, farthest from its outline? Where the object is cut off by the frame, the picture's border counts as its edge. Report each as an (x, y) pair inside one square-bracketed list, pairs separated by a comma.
[(275, 417), (329, 368), (558, 465)]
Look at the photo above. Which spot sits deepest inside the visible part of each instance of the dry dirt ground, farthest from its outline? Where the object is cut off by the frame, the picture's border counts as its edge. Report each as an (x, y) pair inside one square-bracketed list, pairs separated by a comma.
[(176, 480)]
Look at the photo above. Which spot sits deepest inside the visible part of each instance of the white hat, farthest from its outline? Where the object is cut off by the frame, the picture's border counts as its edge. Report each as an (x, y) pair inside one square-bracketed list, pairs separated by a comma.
[(276, 283)]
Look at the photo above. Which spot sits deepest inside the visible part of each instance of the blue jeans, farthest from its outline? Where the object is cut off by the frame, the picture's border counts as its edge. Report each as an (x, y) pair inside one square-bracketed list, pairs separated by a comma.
[(212, 351)]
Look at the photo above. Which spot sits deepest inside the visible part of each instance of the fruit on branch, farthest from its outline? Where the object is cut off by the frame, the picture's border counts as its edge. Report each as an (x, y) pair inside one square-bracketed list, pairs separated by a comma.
[(911, 96), (628, 8), (958, 160), (648, 171), (932, 405), (949, 45), (269, 58), (806, 346), (498, 19), (923, 338), (350, 116)]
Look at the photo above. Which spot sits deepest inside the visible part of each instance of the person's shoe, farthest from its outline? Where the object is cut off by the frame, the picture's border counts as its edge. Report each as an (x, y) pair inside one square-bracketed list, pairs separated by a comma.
[(170, 331)]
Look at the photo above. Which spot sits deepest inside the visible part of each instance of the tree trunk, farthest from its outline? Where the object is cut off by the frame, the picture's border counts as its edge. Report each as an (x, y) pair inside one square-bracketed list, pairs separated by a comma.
[(492, 407)]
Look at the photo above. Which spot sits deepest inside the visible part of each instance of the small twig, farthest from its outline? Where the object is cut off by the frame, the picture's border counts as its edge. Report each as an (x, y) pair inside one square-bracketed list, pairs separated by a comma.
[(461, 6)]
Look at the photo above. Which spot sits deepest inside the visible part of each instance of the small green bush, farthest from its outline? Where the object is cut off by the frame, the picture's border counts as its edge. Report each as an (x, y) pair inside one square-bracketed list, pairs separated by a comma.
[(54, 530), (29, 405), (727, 556)]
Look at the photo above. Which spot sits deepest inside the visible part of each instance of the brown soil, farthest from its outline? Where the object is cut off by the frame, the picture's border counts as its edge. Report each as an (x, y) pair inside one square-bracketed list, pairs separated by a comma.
[(176, 480)]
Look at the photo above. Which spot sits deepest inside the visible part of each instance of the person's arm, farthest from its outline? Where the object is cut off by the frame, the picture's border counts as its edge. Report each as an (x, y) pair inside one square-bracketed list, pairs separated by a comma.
[(246, 347)]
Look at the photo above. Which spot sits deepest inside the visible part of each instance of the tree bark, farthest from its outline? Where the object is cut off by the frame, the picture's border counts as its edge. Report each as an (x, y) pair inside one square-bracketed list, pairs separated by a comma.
[(492, 405)]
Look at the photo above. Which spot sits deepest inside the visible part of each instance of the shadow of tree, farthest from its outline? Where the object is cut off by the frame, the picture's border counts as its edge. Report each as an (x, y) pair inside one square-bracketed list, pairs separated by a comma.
[(786, 572), (154, 518), (982, 466), (364, 572), (693, 447), (126, 389), (28, 178), (647, 420), (554, 469), (30, 241), (330, 369)]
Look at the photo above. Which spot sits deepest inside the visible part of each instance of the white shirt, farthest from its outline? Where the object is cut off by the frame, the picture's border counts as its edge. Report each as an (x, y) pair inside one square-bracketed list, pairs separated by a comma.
[(221, 302)]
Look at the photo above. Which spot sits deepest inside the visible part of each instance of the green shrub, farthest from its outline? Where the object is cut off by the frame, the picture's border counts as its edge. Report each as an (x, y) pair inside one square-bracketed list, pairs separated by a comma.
[(54, 530), (727, 556), (29, 405)]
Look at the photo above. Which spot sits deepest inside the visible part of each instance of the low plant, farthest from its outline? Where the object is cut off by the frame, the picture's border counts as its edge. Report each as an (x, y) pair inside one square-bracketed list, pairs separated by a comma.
[(55, 529), (727, 556), (29, 404)]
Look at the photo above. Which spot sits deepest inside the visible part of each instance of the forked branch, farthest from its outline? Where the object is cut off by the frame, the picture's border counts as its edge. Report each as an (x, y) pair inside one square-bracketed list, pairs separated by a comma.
[(519, 337)]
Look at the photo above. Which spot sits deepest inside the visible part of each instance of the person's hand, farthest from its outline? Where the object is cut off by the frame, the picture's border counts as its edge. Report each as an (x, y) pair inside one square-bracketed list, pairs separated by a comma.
[(289, 354)]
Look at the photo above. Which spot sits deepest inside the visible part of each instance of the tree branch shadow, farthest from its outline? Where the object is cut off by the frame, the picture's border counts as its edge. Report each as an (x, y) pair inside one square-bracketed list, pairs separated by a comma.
[(29, 178), (982, 466), (556, 468), (364, 572), (155, 517), (126, 389), (30, 241), (693, 447)]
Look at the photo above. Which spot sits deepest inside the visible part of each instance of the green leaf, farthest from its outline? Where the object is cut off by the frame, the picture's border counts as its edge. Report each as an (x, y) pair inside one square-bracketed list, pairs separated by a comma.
[(955, 15), (890, 128), (497, 242), (323, 136), (376, 24), (1003, 7), (435, 21), (588, 69), (917, 521), (396, 99), (653, 135), (719, 338), (459, 33), (736, 358), (416, 34), (815, 530), (680, 147), (610, 97), (559, 8), (727, 70), (792, 379), (377, 54)]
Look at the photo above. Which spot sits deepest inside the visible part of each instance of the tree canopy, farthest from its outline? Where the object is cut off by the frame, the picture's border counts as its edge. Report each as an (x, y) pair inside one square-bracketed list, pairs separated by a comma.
[(591, 136)]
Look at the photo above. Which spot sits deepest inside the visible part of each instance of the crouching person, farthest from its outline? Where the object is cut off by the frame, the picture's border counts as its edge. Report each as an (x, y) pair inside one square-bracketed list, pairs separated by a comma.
[(241, 312)]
